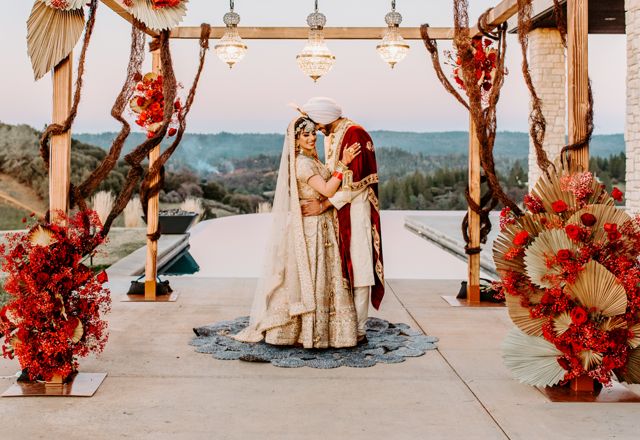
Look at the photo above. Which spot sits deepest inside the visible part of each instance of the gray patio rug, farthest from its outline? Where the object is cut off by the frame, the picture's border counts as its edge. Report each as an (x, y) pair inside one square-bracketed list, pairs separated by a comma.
[(387, 343)]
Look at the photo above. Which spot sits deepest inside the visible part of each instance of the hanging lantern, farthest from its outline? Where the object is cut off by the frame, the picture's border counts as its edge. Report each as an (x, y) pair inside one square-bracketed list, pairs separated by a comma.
[(231, 49), (316, 59), (392, 48)]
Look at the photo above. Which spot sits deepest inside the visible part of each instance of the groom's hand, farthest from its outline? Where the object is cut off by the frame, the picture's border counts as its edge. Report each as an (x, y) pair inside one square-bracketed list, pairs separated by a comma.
[(311, 207)]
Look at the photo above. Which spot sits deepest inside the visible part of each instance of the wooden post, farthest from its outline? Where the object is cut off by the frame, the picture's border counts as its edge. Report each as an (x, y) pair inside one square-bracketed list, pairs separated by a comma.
[(578, 76), (60, 147), (153, 212), (473, 280), (578, 83)]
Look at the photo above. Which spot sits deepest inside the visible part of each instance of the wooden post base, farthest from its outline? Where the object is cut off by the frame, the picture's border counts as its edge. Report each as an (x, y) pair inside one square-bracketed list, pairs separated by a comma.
[(582, 384), (455, 302)]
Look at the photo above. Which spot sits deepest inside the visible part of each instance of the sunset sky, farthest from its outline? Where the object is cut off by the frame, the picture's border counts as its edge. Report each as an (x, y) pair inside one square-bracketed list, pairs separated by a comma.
[(253, 96)]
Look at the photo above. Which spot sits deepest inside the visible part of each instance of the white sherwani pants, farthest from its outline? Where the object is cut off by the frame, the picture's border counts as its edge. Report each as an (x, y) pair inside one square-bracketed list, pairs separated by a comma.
[(361, 250)]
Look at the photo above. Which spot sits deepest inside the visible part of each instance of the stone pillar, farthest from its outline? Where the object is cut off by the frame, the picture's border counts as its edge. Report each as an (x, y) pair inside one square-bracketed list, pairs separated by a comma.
[(547, 62), (632, 123)]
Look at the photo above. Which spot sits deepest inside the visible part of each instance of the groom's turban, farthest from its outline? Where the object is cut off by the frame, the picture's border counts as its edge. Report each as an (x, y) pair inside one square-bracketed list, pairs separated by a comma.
[(322, 110)]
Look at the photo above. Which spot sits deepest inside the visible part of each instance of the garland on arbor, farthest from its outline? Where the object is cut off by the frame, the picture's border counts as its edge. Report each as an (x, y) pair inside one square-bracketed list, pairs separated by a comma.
[(481, 104)]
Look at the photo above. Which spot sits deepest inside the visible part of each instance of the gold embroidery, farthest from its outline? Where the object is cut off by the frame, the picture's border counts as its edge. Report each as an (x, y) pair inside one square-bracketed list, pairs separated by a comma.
[(369, 146), (373, 199), (370, 179), (376, 246)]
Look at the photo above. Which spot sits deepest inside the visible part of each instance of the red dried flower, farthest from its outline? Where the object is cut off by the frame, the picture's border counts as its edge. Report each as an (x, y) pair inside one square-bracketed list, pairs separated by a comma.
[(172, 132), (564, 255), (610, 227), (617, 194), (573, 232), (521, 238), (579, 315), (102, 277), (588, 219), (533, 204), (559, 206)]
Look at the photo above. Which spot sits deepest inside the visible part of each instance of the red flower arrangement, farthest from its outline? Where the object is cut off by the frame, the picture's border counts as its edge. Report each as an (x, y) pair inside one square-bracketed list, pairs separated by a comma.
[(159, 4), (485, 59), (604, 249), (55, 314), (148, 104)]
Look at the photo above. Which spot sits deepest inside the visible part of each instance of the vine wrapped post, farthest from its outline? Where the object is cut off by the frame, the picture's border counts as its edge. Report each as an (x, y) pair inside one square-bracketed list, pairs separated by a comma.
[(60, 151), (153, 210), (578, 77), (473, 278)]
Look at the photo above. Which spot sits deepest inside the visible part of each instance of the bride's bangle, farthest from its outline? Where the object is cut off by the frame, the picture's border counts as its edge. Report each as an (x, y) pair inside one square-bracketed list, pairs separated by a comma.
[(337, 174), (341, 167)]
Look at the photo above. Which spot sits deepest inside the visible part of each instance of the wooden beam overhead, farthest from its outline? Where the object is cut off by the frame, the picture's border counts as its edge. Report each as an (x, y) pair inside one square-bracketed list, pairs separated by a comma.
[(302, 33), (119, 8), (498, 15)]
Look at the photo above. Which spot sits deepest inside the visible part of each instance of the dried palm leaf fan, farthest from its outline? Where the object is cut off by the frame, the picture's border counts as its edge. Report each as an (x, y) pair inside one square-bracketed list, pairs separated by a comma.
[(634, 341), (562, 322), (521, 316), (598, 288), (603, 214), (66, 5), (158, 19), (531, 359), (548, 189), (631, 374), (547, 244), (590, 359), (613, 323), (533, 224), (51, 36)]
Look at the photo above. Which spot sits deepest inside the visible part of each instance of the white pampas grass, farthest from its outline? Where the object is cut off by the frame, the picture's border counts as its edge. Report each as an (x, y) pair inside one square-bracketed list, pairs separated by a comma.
[(192, 204), (133, 214), (102, 203)]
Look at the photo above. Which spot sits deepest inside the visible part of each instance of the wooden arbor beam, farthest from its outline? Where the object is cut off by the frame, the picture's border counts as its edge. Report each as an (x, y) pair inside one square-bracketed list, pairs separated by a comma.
[(302, 33), (60, 146), (498, 15), (578, 76)]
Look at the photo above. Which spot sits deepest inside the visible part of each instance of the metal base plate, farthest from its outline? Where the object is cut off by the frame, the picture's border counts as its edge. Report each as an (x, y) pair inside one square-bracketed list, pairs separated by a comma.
[(81, 385), (455, 302), (616, 393), (172, 297)]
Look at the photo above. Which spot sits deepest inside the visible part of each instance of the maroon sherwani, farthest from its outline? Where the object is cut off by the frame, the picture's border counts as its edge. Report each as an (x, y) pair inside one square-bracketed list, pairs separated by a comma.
[(360, 192)]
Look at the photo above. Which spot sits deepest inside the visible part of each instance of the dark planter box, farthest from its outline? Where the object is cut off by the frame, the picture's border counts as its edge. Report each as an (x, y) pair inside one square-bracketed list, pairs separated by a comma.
[(175, 224)]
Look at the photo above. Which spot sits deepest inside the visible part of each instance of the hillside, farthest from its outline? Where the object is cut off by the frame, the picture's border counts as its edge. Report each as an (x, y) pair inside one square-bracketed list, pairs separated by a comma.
[(213, 153)]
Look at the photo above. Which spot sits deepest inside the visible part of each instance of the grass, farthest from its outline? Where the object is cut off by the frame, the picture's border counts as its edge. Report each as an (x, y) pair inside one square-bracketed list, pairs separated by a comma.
[(11, 217), (4, 296)]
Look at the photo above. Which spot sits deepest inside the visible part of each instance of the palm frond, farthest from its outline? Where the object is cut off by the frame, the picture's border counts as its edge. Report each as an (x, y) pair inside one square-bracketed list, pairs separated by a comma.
[(522, 318), (531, 359), (547, 244), (597, 287), (158, 19), (51, 36)]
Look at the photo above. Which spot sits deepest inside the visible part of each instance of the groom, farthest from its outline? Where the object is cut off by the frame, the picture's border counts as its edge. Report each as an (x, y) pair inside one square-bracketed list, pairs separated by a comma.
[(356, 203)]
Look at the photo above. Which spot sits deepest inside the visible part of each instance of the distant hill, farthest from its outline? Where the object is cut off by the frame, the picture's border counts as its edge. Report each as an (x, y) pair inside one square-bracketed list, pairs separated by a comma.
[(209, 152)]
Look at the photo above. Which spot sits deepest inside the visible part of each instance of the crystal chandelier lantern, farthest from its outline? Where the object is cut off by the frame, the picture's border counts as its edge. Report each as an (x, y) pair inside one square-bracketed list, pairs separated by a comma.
[(315, 59), (231, 49), (392, 48)]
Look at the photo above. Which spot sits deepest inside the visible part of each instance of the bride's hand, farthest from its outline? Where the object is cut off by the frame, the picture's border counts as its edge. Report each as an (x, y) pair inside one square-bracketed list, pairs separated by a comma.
[(350, 153)]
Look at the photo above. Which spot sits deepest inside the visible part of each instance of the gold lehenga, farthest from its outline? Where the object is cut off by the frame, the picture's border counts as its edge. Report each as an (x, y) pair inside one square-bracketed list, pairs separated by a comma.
[(301, 297), (333, 323)]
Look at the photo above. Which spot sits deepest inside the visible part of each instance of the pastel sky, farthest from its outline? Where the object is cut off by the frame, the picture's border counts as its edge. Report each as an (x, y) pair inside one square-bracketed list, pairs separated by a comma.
[(253, 96)]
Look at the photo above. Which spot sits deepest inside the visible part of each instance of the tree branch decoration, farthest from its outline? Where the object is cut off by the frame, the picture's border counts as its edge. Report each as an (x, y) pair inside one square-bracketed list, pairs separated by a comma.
[(481, 106), (570, 272)]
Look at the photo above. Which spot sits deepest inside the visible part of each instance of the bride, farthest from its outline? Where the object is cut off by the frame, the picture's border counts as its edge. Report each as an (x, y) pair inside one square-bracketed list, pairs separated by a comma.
[(302, 298)]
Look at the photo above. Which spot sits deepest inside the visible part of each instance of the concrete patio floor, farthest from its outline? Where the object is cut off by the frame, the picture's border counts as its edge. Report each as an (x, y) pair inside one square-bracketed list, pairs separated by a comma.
[(158, 387)]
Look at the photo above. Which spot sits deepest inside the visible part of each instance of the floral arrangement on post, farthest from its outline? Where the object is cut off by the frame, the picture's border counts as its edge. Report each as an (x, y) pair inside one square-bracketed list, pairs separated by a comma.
[(148, 104), (571, 277), (55, 314), (485, 59)]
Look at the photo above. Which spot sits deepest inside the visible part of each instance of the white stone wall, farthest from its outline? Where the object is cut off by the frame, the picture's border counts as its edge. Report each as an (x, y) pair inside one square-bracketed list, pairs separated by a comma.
[(547, 62), (632, 125)]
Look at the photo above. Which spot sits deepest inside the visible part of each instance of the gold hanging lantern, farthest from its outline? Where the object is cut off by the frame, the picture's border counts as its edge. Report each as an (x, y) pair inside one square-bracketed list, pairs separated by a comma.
[(392, 48), (231, 49)]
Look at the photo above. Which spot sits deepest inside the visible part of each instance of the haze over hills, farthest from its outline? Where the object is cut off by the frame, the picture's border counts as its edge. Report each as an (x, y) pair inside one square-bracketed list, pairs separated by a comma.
[(205, 152)]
